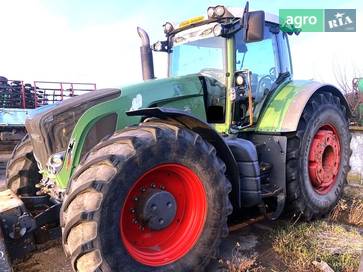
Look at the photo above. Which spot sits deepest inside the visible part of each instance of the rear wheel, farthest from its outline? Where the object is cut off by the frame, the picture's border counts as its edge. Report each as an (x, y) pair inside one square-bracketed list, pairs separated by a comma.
[(22, 172), (149, 198), (318, 157)]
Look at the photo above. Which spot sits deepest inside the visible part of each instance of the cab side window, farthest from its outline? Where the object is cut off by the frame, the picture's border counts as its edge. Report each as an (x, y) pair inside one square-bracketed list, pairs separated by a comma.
[(261, 58)]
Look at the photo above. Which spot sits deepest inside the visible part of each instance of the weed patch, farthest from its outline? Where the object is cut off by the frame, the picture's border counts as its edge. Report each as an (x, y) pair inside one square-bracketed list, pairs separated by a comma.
[(300, 245)]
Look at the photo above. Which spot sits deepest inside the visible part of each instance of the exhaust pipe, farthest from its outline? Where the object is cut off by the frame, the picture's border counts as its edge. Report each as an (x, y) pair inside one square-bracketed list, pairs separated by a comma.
[(147, 62)]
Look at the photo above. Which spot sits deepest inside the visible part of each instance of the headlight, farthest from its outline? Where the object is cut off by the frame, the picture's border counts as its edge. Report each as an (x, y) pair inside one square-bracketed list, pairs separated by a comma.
[(210, 12), (168, 28), (219, 11), (217, 30), (55, 162), (216, 12), (158, 46), (240, 80)]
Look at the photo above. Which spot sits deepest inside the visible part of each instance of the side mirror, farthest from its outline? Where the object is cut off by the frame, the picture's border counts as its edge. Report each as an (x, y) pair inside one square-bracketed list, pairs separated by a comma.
[(255, 26)]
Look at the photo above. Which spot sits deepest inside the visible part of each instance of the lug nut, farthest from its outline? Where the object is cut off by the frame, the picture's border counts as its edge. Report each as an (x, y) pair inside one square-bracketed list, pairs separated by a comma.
[(154, 207), (161, 221), (169, 204)]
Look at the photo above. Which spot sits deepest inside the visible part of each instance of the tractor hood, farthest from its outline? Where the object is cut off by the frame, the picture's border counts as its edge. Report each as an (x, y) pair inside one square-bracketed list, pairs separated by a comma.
[(160, 92), (51, 127)]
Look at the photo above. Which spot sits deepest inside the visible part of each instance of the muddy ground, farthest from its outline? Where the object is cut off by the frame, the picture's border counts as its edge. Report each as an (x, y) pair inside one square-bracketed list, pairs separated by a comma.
[(253, 239), (250, 244)]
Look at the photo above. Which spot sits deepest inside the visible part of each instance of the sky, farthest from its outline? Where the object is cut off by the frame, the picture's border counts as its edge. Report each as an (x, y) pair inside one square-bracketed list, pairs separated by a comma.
[(96, 41)]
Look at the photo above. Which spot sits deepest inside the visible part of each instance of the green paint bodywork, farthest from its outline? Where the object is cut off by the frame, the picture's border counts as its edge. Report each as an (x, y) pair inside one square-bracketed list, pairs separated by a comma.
[(360, 107), (224, 128), (185, 93), (273, 115), (360, 85)]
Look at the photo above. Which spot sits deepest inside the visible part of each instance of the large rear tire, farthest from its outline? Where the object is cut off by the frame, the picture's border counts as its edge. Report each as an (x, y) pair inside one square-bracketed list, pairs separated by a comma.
[(318, 157), (110, 219), (22, 172)]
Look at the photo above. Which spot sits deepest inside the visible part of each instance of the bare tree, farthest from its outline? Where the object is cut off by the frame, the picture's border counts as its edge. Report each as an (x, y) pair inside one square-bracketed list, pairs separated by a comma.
[(346, 80)]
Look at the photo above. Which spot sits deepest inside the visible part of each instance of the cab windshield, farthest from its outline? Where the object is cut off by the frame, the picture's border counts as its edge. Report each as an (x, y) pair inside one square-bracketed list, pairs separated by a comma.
[(205, 56)]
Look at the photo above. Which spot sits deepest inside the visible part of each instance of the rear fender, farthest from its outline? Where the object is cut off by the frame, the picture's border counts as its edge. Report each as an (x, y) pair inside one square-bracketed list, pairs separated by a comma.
[(283, 112), (207, 133)]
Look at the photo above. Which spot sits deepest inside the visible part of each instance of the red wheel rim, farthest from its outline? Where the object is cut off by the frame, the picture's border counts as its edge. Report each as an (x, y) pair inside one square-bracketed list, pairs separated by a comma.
[(324, 159), (161, 247)]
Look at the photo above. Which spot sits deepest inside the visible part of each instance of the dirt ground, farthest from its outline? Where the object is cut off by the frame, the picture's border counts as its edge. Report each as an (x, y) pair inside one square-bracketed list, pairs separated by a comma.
[(253, 239), (49, 258), (250, 244)]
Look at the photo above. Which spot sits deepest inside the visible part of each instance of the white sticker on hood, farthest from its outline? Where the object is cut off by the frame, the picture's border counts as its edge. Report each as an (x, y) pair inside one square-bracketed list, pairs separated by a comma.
[(136, 102)]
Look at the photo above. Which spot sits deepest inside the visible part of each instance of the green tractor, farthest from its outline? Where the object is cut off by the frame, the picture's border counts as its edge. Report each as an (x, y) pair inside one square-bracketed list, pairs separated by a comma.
[(145, 178)]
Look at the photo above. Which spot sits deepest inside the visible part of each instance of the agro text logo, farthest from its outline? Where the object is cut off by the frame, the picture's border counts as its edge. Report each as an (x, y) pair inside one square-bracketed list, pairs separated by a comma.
[(318, 20)]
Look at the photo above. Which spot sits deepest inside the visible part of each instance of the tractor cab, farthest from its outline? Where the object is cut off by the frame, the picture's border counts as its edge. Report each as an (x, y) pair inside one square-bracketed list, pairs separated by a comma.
[(241, 58)]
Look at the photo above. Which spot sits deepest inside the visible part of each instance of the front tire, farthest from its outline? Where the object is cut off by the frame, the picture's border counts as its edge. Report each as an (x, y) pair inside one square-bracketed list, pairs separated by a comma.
[(22, 172), (318, 157), (106, 220)]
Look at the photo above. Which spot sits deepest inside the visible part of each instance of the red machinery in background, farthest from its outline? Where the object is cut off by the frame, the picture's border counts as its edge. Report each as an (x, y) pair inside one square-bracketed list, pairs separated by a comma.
[(20, 95), (57, 91), (18, 99)]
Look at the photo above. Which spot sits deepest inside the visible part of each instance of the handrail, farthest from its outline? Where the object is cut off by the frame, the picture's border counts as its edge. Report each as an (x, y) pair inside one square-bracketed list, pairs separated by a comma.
[(18, 94)]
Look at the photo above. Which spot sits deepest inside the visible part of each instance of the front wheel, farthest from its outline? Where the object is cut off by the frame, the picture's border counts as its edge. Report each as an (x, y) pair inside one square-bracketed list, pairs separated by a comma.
[(149, 198), (22, 172), (318, 157)]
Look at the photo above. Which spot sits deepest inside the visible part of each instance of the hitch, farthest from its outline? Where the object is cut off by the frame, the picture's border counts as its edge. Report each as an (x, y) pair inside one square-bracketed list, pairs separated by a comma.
[(25, 223)]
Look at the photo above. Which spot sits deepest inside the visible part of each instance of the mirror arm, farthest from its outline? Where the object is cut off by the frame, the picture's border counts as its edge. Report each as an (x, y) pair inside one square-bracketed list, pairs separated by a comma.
[(244, 20), (231, 29)]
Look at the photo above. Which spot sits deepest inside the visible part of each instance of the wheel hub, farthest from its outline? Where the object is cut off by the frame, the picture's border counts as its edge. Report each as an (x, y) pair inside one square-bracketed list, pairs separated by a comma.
[(156, 209), (163, 214), (324, 159)]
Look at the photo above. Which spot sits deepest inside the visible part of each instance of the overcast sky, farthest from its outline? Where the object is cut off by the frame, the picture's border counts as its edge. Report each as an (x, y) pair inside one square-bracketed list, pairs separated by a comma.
[(96, 41)]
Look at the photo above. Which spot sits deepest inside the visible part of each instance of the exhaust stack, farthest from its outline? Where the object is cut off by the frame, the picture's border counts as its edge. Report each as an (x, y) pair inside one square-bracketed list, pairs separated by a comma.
[(147, 62)]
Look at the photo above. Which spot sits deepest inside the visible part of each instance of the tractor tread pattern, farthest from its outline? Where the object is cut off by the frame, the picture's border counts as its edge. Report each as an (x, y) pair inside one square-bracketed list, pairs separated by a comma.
[(81, 207), (22, 169), (296, 202)]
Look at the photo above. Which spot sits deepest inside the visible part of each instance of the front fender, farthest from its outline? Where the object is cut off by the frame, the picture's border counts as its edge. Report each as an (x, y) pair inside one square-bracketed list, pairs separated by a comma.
[(207, 133), (283, 111)]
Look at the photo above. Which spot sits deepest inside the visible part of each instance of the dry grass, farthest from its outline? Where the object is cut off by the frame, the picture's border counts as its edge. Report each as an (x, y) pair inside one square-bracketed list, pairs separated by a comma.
[(300, 245), (239, 262), (340, 208), (355, 215), (349, 211)]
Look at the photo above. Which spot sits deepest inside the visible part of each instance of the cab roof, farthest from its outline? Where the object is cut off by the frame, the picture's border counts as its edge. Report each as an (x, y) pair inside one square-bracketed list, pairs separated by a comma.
[(238, 12)]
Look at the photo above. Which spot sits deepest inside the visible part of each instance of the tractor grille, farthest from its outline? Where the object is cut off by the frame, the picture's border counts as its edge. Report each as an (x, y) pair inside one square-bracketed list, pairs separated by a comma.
[(50, 129)]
